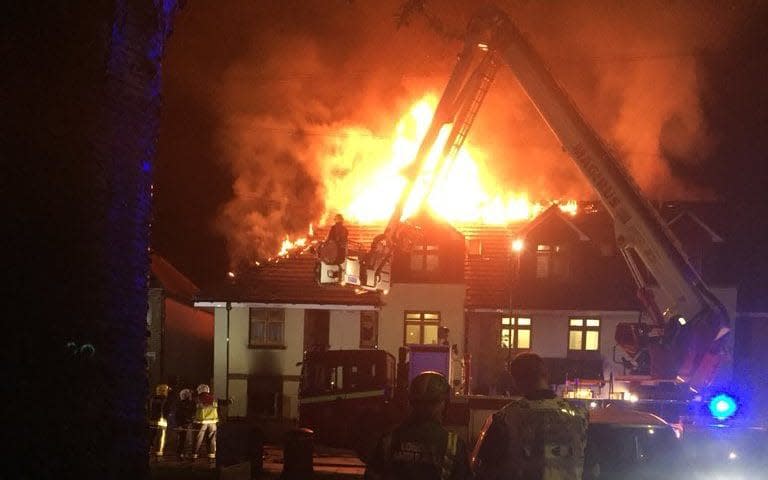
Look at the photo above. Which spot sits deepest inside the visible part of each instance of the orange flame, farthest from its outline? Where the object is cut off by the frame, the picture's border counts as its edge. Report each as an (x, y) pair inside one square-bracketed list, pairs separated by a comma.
[(289, 245), (463, 191)]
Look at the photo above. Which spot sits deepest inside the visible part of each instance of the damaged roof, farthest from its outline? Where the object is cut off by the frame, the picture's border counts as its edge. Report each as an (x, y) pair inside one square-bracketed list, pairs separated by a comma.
[(289, 280), (292, 279), (599, 279)]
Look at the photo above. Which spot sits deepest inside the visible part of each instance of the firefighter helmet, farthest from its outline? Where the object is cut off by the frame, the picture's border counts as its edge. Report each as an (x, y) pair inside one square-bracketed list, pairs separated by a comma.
[(185, 394), (429, 387), (203, 388), (162, 390)]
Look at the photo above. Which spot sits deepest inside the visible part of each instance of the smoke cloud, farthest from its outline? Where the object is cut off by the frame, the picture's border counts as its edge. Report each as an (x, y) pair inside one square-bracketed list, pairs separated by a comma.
[(310, 70)]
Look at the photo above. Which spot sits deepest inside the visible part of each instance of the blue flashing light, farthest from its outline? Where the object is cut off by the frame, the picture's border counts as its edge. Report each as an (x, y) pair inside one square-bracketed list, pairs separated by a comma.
[(723, 406)]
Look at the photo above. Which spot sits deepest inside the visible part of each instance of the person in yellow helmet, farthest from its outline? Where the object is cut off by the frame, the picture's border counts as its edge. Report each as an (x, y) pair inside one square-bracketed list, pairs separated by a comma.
[(207, 419), (158, 418)]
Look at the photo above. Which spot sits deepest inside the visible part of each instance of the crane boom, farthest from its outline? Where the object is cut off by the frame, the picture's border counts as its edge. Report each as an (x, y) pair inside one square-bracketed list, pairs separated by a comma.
[(692, 319)]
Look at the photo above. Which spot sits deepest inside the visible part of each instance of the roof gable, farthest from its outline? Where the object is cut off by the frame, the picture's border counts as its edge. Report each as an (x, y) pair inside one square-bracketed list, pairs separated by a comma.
[(548, 219), (170, 279)]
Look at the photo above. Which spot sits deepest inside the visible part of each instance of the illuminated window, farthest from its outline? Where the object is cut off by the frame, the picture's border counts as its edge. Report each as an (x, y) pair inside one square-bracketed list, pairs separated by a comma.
[(266, 328), (584, 334), (474, 247), (552, 261), (516, 333), (424, 258), (369, 329), (543, 260), (421, 328)]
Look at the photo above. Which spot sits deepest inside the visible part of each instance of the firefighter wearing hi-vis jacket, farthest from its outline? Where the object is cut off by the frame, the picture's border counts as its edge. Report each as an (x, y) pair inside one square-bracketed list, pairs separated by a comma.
[(537, 436), (158, 417), (421, 448), (206, 419)]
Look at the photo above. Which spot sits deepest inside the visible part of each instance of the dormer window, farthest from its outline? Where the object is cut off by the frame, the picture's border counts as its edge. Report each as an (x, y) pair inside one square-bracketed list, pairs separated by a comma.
[(552, 261), (425, 258), (474, 247), (543, 261)]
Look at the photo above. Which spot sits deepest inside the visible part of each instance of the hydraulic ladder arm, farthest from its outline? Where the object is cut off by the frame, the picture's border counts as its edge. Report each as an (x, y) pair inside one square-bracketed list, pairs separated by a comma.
[(692, 321)]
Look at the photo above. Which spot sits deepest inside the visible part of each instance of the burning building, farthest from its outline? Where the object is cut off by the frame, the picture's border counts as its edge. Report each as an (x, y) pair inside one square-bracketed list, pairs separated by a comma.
[(555, 285)]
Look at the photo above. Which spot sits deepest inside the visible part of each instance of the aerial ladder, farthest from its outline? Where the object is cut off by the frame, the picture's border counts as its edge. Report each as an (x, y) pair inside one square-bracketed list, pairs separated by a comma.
[(686, 341)]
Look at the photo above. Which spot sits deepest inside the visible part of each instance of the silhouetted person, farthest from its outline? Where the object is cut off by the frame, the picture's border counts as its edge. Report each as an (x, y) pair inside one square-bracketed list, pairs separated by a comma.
[(185, 414), (339, 235), (421, 448), (536, 437), (207, 419), (158, 417)]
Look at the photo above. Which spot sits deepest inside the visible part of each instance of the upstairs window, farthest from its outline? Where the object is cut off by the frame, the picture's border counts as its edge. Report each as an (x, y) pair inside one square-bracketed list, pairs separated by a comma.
[(421, 328), (266, 327), (425, 258), (584, 334), (516, 333), (474, 247), (552, 261), (543, 261)]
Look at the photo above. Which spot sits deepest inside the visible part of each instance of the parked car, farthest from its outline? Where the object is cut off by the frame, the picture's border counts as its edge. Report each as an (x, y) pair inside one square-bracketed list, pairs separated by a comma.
[(628, 444)]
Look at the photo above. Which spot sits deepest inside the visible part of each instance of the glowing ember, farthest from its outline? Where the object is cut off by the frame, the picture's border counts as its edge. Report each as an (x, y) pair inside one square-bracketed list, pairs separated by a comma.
[(463, 191)]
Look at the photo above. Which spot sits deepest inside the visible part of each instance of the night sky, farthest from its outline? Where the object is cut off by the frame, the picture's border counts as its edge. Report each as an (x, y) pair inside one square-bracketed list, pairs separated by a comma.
[(251, 88)]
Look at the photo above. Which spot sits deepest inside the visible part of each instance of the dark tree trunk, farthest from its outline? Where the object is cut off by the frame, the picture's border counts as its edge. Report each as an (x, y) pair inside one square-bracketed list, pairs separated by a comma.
[(80, 100)]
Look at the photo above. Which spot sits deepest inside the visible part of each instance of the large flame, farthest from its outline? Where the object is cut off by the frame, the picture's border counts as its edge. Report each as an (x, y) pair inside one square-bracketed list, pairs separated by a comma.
[(462, 191), (363, 177)]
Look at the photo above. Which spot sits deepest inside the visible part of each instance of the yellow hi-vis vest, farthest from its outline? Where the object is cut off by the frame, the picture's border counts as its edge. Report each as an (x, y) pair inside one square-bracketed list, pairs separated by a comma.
[(207, 413)]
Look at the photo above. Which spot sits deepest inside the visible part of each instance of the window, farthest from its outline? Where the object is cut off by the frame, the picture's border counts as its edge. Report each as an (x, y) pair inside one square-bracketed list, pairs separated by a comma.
[(552, 261), (516, 333), (474, 247), (584, 334), (543, 260), (422, 328), (369, 329), (424, 258), (267, 327)]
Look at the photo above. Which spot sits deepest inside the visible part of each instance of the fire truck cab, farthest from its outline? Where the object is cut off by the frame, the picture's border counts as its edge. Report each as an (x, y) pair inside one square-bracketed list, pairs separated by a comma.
[(353, 385)]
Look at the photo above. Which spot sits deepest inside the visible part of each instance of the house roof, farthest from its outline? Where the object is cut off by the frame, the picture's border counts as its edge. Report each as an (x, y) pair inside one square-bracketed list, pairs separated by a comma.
[(289, 280), (171, 280), (487, 272), (604, 285)]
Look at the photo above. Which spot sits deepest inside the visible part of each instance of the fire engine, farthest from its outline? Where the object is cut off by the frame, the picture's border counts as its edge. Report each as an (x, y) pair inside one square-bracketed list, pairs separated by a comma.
[(685, 346)]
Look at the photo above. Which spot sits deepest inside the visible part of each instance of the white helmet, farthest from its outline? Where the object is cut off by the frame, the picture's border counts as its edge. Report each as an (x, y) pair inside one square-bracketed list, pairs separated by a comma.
[(203, 388), (185, 394)]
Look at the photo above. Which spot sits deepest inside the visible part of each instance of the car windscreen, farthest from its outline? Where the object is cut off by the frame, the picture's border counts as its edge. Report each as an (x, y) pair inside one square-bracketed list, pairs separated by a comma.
[(631, 451)]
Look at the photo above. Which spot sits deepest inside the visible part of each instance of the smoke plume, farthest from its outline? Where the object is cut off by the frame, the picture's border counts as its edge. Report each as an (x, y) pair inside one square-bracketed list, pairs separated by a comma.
[(313, 71)]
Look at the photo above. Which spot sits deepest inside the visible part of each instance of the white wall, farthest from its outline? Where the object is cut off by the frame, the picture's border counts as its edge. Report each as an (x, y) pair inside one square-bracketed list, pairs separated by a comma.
[(344, 333), (549, 337), (344, 329), (448, 299), (220, 348), (244, 361)]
